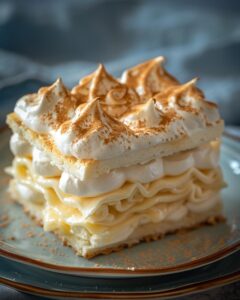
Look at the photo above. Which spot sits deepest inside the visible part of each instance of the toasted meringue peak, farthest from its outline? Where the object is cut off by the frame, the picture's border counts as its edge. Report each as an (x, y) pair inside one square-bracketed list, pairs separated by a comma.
[(91, 116), (187, 98), (95, 85), (57, 89), (146, 115), (103, 118), (102, 83), (115, 96), (46, 109), (90, 128), (148, 78), (180, 94)]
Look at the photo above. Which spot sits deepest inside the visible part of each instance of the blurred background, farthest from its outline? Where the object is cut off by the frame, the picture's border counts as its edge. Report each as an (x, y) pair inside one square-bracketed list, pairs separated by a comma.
[(41, 40)]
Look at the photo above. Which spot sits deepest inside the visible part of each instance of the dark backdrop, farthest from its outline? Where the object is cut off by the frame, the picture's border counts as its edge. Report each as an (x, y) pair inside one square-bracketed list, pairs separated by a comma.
[(40, 40)]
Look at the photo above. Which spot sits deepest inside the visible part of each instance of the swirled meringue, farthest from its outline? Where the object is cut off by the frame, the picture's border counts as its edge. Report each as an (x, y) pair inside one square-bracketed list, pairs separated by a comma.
[(149, 78), (146, 115), (116, 97)]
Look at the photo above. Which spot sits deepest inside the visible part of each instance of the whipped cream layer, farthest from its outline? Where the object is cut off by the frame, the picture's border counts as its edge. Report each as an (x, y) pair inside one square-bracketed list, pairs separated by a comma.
[(194, 183), (203, 157), (19, 146), (103, 118), (108, 219), (191, 174)]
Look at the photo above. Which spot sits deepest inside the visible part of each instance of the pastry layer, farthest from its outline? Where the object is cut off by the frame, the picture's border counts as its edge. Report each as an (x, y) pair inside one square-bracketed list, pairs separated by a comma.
[(113, 218), (85, 169), (203, 157), (146, 232)]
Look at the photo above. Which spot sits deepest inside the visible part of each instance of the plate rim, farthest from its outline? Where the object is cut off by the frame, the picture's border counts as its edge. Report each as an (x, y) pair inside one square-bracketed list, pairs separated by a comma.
[(114, 272), (120, 271), (180, 291)]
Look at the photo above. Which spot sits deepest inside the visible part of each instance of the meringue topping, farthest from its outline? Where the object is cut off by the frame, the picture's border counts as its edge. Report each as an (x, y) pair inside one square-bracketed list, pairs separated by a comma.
[(91, 130), (144, 115), (188, 101), (103, 117), (48, 108), (149, 78), (115, 96)]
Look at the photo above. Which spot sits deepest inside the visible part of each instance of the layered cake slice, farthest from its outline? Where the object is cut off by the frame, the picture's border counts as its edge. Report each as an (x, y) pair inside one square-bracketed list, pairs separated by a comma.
[(115, 162)]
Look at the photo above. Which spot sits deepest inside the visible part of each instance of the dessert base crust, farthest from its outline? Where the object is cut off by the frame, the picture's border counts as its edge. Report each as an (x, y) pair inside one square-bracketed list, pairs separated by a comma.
[(144, 233)]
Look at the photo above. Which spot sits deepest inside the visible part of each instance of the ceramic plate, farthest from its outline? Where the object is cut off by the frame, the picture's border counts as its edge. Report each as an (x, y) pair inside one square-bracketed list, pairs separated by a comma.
[(23, 241), (45, 283)]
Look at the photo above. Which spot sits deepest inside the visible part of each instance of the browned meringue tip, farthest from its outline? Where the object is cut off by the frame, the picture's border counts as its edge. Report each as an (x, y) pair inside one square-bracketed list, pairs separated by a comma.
[(59, 81), (192, 82), (56, 86), (93, 108), (148, 64), (159, 59), (155, 60), (101, 72), (187, 85), (101, 68)]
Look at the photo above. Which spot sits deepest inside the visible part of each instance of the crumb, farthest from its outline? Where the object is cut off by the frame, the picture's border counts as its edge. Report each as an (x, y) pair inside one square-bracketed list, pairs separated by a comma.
[(44, 245), (53, 251), (30, 234), (4, 218), (24, 225), (96, 265), (4, 221)]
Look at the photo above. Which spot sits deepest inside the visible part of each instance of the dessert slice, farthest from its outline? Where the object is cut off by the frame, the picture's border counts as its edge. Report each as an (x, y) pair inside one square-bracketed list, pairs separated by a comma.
[(115, 162)]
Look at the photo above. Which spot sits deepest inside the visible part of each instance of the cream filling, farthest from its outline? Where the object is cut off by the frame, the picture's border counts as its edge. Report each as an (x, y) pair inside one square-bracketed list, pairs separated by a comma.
[(42, 165), (69, 222), (106, 220), (19, 146), (203, 157), (167, 189), (192, 183)]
